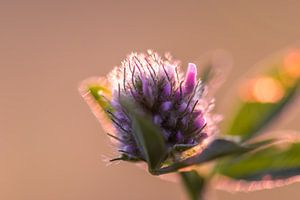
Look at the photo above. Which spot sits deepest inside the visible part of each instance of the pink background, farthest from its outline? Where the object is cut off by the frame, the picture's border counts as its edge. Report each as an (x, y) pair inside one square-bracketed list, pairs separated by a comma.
[(51, 146)]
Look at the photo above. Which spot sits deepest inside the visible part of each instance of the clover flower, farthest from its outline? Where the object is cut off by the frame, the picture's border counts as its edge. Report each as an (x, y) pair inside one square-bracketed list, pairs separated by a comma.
[(176, 103)]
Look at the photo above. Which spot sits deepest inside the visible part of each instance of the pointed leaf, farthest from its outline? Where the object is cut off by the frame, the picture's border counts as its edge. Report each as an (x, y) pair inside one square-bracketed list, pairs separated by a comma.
[(217, 149), (252, 117), (275, 165), (150, 141), (147, 136), (263, 98), (96, 92)]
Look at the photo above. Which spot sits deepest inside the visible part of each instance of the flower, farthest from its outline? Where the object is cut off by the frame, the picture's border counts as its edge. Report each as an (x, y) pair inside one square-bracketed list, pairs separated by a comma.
[(176, 103)]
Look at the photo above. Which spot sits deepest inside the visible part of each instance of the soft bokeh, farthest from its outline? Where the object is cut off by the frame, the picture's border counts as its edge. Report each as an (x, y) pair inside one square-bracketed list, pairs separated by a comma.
[(51, 146)]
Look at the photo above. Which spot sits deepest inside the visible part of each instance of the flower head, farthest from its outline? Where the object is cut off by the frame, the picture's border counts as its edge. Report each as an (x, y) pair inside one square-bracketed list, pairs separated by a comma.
[(176, 103)]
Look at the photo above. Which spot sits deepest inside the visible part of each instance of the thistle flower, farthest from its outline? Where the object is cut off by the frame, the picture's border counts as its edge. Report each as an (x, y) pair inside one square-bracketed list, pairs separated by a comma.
[(176, 103)]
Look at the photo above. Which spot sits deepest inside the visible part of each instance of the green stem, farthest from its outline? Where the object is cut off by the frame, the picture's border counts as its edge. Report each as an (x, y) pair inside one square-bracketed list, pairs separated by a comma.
[(194, 184)]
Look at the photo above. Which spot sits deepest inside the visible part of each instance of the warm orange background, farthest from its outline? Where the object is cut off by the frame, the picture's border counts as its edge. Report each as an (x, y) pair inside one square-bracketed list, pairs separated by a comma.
[(51, 146)]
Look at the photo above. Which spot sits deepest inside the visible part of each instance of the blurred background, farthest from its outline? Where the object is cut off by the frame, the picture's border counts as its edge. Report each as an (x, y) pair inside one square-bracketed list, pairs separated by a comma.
[(51, 146)]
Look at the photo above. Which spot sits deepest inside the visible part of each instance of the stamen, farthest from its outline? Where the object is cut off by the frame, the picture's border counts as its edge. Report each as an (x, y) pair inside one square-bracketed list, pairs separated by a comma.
[(133, 157), (116, 138), (194, 106), (119, 90), (166, 72), (129, 65), (180, 88), (131, 92), (150, 73), (132, 78), (190, 99), (197, 131), (177, 74), (113, 115), (136, 65), (115, 159), (185, 113), (140, 64), (124, 79), (150, 66), (186, 109), (119, 125)]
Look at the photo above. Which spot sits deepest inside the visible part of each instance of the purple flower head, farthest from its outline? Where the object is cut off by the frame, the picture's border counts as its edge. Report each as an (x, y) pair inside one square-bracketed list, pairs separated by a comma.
[(176, 103)]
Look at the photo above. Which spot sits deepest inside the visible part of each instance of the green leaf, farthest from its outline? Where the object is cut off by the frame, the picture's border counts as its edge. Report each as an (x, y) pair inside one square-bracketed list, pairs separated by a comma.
[(148, 137), (217, 149), (98, 93), (276, 162), (252, 117), (182, 147), (150, 141), (194, 184)]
